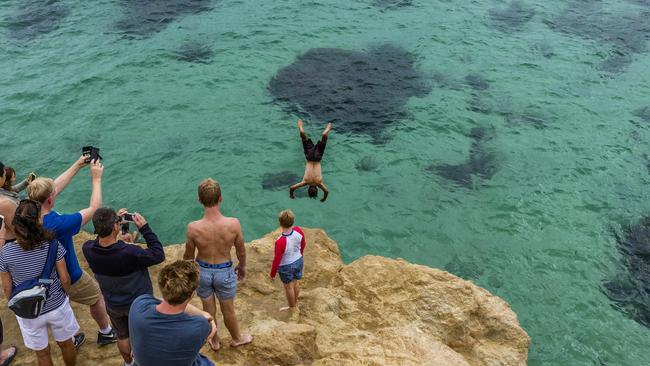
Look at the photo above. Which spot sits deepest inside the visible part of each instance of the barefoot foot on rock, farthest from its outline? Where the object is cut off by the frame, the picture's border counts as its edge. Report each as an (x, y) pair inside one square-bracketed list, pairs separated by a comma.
[(244, 339)]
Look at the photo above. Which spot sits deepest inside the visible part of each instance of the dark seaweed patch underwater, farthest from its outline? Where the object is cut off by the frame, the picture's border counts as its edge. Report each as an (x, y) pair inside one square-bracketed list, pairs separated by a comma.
[(481, 163), (512, 17), (392, 4), (194, 52), (144, 17), (626, 33), (35, 17), (360, 92), (630, 290)]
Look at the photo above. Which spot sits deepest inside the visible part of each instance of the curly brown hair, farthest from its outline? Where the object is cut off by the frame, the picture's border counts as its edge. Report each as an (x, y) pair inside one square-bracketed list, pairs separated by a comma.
[(178, 281)]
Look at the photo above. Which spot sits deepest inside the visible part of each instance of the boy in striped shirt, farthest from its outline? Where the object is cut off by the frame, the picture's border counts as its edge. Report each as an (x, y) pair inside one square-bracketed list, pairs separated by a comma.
[(288, 257)]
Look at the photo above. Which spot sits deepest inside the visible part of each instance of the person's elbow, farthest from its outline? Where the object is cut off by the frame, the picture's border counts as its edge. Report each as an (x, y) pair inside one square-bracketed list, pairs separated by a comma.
[(65, 283), (160, 257)]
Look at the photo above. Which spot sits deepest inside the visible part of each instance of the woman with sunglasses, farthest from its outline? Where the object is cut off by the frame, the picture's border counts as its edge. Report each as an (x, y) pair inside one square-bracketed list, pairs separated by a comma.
[(22, 260)]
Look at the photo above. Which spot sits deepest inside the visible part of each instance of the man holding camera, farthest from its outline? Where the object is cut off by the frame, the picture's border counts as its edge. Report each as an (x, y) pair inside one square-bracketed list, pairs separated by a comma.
[(121, 269), (84, 289)]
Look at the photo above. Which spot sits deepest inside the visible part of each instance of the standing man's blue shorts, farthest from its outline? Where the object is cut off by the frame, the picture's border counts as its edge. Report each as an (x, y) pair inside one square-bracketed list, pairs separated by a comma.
[(291, 272), (219, 279)]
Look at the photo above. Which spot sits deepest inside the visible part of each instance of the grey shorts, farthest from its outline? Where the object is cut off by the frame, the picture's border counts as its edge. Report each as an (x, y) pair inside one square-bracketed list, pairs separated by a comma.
[(219, 281)]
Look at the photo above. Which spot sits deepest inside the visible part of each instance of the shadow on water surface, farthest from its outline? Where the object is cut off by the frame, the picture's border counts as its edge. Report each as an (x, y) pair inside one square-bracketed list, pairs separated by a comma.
[(360, 92), (145, 17), (481, 163), (626, 33), (280, 180), (630, 290), (35, 17)]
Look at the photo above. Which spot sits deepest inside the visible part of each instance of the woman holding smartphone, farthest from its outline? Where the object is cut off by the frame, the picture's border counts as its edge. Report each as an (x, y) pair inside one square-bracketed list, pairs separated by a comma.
[(9, 189)]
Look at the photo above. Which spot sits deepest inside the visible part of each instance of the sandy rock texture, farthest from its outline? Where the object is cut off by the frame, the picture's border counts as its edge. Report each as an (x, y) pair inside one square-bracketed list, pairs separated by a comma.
[(373, 311)]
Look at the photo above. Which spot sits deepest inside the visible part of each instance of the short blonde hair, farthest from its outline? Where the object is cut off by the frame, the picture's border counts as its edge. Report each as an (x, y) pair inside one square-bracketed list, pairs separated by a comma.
[(40, 189), (178, 281), (286, 218), (209, 192)]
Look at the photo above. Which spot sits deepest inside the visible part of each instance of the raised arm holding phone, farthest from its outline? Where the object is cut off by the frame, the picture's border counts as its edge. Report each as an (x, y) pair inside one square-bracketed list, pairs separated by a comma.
[(84, 289)]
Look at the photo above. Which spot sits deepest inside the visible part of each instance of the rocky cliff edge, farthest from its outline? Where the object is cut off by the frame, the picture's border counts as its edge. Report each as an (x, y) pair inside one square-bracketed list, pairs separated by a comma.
[(373, 311)]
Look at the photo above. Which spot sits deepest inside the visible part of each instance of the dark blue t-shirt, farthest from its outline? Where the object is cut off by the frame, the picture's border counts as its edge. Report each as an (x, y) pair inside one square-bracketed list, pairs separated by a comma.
[(166, 340), (65, 227)]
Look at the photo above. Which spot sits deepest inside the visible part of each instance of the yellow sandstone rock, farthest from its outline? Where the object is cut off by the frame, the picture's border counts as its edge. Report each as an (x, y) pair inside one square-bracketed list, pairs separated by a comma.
[(373, 311)]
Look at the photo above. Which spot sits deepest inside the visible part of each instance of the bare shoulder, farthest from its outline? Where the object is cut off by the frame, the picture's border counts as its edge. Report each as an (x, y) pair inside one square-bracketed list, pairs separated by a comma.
[(192, 227), (234, 222)]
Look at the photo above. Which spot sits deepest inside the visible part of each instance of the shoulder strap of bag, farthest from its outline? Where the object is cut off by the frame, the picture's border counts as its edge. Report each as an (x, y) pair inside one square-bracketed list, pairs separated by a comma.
[(49, 263)]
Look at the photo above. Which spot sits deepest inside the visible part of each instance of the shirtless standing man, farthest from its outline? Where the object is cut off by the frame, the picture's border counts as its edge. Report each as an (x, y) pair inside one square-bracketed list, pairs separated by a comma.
[(313, 153), (213, 236)]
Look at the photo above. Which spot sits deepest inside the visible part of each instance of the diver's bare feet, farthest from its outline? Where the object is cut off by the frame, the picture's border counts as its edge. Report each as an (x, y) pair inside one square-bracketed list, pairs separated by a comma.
[(300, 126), (244, 339), (327, 129)]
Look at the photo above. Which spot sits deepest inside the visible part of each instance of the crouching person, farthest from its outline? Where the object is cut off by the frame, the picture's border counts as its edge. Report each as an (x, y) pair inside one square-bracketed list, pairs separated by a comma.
[(36, 255), (171, 332), (121, 269)]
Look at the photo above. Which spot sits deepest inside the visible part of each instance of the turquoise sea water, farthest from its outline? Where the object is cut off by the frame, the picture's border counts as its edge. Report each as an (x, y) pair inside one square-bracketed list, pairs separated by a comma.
[(538, 233)]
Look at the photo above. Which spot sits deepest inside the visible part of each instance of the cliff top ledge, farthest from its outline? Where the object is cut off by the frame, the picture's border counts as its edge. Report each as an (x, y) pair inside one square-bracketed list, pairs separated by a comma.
[(373, 311)]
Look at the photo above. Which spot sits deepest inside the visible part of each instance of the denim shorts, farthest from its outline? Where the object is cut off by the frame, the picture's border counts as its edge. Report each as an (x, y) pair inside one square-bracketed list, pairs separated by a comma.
[(291, 272), (219, 281)]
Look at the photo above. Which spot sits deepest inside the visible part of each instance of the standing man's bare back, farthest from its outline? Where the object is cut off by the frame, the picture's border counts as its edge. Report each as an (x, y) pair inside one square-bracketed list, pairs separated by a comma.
[(213, 237)]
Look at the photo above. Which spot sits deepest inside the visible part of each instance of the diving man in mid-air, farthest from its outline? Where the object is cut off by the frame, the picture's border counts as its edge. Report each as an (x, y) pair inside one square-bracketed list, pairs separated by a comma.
[(313, 153)]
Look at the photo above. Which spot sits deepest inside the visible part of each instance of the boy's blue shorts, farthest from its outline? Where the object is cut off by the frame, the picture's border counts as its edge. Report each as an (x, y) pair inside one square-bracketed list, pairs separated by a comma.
[(291, 272)]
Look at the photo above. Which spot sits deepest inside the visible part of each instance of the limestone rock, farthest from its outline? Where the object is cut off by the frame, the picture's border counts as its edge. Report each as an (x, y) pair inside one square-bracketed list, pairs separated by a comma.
[(373, 311)]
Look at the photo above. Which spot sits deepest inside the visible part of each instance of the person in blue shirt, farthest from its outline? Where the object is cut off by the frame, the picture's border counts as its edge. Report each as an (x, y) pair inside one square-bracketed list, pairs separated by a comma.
[(171, 332), (84, 289)]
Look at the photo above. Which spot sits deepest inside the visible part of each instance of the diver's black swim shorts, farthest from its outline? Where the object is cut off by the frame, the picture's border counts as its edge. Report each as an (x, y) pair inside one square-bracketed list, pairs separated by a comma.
[(313, 152)]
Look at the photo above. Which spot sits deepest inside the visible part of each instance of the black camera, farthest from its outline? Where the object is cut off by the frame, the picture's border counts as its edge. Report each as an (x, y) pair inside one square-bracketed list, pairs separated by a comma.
[(127, 217), (125, 227), (91, 152)]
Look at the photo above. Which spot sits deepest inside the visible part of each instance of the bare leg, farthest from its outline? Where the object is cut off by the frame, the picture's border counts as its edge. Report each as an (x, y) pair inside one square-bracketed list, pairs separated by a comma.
[(44, 357), (296, 290), (4, 355), (124, 346), (230, 318), (327, 130), (210, 306), (291, 299), (303, 135), (68, 352), (98, 312)]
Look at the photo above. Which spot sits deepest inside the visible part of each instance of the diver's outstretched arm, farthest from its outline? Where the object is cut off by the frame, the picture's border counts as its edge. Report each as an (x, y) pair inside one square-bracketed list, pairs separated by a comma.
[(293, 188), (325, 192)]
